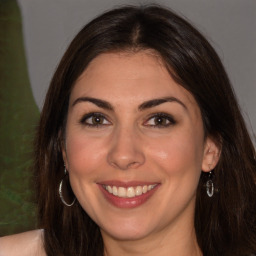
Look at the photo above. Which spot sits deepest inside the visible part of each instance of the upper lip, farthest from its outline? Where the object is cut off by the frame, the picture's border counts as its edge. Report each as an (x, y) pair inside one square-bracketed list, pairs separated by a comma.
[(126, 184)]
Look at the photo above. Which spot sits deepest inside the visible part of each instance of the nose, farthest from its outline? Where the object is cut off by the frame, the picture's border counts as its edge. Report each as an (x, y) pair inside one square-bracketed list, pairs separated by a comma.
[(125, 150)]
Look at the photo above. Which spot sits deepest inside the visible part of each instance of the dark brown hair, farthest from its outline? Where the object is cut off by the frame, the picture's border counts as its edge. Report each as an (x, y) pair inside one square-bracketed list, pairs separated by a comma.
[(225, 224)]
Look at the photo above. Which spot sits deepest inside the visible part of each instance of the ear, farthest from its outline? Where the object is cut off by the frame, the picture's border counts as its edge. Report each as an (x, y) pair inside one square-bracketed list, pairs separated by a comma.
[(211, 155)]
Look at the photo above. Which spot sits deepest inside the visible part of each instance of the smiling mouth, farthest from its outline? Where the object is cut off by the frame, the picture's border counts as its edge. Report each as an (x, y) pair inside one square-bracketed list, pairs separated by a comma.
[(129, 192)]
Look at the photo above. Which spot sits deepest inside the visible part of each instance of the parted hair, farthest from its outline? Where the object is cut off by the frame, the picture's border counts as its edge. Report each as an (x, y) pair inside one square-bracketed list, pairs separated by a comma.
[(226, 223)]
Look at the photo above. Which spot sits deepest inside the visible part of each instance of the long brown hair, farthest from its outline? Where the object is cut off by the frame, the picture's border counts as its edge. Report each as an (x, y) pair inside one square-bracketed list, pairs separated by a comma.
[(225, 224)]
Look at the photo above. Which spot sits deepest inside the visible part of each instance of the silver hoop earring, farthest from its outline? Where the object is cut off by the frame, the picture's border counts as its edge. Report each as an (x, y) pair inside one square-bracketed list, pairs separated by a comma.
[(61, 195), (210, 186)]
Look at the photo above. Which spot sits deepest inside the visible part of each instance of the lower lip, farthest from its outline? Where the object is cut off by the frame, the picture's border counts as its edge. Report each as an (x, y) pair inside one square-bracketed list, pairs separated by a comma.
[(121, 202)]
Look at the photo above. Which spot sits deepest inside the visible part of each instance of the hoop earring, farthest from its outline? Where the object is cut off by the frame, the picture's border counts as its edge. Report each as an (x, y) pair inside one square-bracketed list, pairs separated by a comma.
[(210, 186), (60, 193)]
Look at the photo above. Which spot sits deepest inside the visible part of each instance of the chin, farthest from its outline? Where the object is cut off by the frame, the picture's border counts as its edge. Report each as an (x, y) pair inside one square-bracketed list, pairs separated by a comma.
[(126, 234), (127, 230)]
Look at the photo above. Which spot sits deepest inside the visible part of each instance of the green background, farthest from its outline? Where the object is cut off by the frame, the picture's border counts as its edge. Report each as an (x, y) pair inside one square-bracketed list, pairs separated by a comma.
[(18, 119)]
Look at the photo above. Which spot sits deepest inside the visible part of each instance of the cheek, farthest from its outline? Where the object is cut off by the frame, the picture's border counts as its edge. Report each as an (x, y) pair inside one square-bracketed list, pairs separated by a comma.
[(179, 153), (83, 154), (179, 160), (84, 158)]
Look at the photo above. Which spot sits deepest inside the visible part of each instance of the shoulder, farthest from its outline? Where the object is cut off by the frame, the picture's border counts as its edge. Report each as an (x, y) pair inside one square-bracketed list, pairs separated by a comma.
[(24, 244)]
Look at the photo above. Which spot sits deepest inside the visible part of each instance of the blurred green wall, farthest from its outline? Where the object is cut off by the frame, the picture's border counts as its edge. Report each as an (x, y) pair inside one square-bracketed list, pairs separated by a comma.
[(18, 118)]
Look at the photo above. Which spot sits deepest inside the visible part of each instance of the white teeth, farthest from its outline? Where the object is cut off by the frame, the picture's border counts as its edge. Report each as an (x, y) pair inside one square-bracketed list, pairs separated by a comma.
[(130, 191), (109, 189), (138, 191), (121, 192), (114, 191), (150, 187)]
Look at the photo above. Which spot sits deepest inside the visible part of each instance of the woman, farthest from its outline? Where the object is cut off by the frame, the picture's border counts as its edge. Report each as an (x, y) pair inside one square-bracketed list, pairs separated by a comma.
[(141, 147)]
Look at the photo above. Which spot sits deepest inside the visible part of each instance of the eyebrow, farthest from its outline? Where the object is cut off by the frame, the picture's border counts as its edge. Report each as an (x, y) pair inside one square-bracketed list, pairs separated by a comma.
[(145, 105), (100, 103), (156, 102)]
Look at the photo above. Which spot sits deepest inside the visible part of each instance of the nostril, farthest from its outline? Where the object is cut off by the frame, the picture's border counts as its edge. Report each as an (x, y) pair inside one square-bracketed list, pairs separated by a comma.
[(125, 152), (132, 164), (123, 165)]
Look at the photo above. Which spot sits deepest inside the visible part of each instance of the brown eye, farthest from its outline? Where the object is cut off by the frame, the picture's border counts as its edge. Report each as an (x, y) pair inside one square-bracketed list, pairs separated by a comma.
[(94, 120), (160, 120)]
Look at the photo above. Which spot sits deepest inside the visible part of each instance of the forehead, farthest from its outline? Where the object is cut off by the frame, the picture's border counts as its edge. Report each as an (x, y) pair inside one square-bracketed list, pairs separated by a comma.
[(139, 76)]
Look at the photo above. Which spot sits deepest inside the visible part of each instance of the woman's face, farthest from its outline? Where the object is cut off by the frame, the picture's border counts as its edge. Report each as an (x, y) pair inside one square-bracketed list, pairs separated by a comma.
[(134, 146)]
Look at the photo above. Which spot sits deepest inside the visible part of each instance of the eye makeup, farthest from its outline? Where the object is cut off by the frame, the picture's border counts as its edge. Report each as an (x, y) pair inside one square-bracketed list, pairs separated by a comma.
[(94, 119), (160, 120), (156, 120)]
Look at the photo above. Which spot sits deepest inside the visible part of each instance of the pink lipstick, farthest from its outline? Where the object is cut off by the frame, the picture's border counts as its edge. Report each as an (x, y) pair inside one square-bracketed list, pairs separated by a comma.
[(127, 194)]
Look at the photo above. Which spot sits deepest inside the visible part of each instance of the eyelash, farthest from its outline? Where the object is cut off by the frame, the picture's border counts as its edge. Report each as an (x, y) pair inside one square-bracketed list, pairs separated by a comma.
[(165, 117), (171, 121), (91, 115)]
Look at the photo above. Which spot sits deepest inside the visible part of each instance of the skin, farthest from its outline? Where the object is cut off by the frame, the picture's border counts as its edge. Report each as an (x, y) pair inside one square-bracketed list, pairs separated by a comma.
[(129, 145), (25, 244)]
